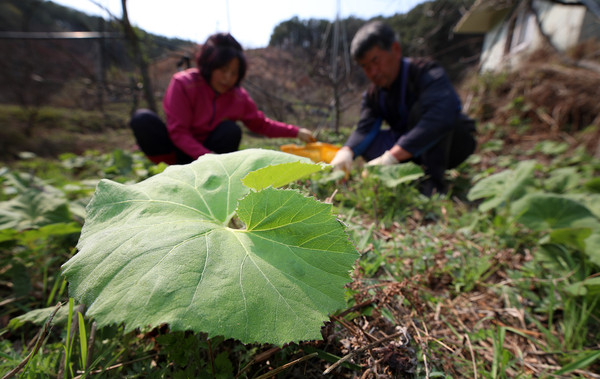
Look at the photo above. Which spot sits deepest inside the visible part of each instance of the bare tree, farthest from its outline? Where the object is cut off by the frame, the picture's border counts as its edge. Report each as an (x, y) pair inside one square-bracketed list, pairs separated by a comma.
[(139, 56), (31, 72)]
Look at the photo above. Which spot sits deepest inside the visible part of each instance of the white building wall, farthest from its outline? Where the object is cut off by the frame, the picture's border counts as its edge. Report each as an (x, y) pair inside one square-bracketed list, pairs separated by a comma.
[(492, 52), (561, 23)]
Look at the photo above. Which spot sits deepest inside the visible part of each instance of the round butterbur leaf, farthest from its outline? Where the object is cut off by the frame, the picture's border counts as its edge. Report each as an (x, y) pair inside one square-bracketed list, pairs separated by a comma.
[(196, 249)]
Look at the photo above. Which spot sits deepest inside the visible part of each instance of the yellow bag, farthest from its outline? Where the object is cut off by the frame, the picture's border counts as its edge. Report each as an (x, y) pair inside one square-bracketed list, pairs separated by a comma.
[(316, 151)]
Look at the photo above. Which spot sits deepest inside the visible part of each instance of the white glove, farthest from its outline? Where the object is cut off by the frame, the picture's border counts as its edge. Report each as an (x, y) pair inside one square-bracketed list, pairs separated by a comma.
[(385, 159), (306, 135), (343, 160)]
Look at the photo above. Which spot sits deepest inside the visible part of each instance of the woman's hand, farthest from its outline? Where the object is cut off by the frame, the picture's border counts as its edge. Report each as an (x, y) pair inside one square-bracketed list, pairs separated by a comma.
[(306, 135)]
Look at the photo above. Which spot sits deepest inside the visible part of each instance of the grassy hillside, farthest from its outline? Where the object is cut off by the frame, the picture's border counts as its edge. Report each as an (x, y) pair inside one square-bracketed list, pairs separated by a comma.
[(485, 283), (497, 279)]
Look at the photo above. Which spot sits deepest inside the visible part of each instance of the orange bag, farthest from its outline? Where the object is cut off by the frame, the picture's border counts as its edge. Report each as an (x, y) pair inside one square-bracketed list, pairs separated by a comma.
[(316, 151)]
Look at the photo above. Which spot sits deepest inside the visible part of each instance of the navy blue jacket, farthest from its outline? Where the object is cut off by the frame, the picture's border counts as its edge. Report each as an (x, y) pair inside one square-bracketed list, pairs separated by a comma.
[(427, 110)]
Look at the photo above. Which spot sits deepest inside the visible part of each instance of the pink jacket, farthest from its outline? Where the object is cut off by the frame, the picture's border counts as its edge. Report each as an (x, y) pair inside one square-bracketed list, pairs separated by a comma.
[(194, 109)]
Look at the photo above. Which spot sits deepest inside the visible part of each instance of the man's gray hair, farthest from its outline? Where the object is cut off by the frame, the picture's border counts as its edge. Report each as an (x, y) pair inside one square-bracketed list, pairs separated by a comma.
[(372, 34)]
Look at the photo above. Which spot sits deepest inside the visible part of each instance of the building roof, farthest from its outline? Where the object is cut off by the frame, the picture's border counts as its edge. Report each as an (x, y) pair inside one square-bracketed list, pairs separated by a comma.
[(485, 14)]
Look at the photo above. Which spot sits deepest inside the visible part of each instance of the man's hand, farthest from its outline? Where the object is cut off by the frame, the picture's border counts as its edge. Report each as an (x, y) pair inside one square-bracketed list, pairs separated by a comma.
[(306, 135), (343, 159), (385, 159)]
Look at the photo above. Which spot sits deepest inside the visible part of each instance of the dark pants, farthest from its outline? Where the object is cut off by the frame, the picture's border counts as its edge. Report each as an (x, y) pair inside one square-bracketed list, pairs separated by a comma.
[(153, 138), (447, 153)]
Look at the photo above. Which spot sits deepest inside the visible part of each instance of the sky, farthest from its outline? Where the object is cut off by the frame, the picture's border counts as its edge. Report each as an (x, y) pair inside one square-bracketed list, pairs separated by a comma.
[(251, 22)]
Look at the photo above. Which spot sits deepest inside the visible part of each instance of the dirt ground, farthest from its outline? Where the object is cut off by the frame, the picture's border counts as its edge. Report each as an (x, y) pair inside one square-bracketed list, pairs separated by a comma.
[(550, 97)]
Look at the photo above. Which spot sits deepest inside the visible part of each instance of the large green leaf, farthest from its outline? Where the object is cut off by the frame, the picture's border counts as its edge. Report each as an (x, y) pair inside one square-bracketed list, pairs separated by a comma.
[(279, 175), (541, 211), (162, 251), (503, 187)]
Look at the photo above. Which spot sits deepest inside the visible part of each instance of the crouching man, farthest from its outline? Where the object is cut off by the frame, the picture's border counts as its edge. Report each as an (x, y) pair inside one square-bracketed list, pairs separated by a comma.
[(419, 104)]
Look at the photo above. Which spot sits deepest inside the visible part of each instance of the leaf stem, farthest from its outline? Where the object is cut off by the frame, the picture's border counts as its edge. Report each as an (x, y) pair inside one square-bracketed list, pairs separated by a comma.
[(38, 344)]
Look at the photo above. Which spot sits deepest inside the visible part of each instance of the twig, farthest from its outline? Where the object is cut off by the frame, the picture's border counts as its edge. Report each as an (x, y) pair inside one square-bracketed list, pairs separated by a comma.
[(91, 341), (287, 365), (357, 307), (365, 374), (266, 354), (552, 367), (41, 338), (350, 328), (210, 356), (357, 330), (358, 351), (329, 200), (9, 300), (34, 340), (259, 358), (451, 350), (472, 355), (462, 324), (118, 365), (438, 308), (424, 350)]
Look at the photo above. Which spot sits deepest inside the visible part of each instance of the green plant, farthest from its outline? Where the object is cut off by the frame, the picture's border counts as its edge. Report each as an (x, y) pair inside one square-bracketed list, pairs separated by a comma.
[(383, 192), (213, 247), (568, 248), (502, 356), (499, 190), (490, 293)]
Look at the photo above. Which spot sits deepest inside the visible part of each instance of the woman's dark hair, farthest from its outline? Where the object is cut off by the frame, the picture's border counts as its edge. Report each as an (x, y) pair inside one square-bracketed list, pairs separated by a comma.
[(373, 34), (218, 50)]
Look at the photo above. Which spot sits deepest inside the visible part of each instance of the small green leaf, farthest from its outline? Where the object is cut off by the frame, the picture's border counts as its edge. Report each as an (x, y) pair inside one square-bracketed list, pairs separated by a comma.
[(579, 364), (82, 339), (279, 175), (394, 175), (40, 316), (576, 289), (592, 285), (563, 179), (593, 185), (552, 147), (223, 366), (592, 248), (589, 286), (161, 251), (572, 237), (503, 187), (9, 235), (332, 177), (590, 200)]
